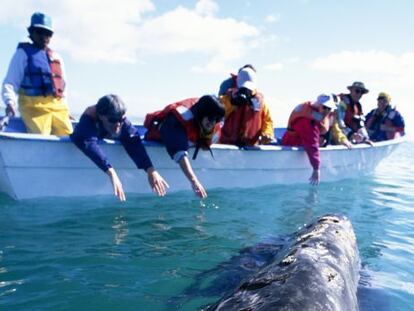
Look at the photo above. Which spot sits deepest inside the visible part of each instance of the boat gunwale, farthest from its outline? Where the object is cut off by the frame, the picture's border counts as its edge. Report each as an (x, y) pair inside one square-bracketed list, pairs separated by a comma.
[(270, 147)]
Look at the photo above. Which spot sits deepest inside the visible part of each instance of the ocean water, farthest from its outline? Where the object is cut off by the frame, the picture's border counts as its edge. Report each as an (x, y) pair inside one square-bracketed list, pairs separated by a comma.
[(178, 253)]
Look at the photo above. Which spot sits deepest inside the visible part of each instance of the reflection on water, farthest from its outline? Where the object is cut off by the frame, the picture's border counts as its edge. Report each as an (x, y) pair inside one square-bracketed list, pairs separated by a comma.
[(120, 225)]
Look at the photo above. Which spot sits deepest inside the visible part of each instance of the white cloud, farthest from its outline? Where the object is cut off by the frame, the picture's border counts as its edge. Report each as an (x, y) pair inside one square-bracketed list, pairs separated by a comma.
[(367, 61), (130, 30)]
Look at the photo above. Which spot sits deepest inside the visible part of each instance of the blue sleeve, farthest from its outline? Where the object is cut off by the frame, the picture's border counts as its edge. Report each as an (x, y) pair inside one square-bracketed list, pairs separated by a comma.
[(85, 137), (225, 85), (398, 120), (174, 136), (132, 143), (369, 115)]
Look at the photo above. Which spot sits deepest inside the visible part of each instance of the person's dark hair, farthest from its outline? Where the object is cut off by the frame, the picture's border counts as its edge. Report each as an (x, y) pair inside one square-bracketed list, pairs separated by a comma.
[(208, 106), (110, 105)]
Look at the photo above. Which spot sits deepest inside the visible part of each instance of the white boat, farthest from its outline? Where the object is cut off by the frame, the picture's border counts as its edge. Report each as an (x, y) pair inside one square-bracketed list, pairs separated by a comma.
[(33, 165)]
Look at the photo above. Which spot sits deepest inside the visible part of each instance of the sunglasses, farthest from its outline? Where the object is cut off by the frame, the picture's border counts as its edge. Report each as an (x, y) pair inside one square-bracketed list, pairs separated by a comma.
[(115, 119), (381, 98), (43, 32), (359, 91)]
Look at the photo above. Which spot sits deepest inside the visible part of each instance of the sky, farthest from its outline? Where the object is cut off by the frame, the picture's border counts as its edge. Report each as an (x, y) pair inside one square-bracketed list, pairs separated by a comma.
[(153, 53)]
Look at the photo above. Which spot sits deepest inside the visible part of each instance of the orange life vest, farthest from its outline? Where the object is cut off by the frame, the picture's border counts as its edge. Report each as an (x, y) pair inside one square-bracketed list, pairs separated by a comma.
[(306, 110), (352, 109), (181, 110), (243, 126)]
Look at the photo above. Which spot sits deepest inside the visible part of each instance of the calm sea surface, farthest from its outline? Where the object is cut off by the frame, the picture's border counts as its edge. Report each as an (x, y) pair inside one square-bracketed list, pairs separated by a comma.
[(177, 253)]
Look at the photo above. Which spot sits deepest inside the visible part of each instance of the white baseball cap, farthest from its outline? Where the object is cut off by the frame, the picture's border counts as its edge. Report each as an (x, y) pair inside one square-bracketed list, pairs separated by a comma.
[(328, 101), (247, 78)]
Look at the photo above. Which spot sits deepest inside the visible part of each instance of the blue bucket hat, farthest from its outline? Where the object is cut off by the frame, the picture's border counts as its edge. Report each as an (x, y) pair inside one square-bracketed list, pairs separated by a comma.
[(40, 20)]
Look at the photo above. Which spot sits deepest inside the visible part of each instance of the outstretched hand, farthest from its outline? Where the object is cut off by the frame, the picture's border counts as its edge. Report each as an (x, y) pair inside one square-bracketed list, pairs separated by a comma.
[(347, 144), (315, 178), (116, 184), (198, 189), (265, 139), (157, 183)]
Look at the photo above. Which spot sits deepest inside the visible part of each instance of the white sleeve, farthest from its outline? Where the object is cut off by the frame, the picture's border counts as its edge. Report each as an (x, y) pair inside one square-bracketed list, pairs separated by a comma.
[(14, 77)]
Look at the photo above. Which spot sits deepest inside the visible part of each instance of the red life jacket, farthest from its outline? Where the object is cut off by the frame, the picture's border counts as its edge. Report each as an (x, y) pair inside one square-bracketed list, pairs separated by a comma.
[(352, 109), (43, 74), (57, 76), (181, 111), (243, 126), (306, 110)]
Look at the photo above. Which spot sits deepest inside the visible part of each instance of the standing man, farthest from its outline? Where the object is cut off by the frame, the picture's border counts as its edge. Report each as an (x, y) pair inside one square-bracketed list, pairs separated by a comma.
[(35, 82)]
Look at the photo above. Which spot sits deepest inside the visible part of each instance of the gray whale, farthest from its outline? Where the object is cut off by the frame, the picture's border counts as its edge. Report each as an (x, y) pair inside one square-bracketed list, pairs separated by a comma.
[(319, 270)]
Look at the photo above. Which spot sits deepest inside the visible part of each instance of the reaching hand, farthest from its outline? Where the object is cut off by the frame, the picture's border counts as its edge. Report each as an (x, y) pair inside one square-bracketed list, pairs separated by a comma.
[(157, 183), (315, 177), (265, 139), (116, 184), (347, 144), (198, 189)]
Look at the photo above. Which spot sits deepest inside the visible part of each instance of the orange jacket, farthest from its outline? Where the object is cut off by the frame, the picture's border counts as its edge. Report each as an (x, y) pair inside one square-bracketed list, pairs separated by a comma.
[(306, 110), (244, 125)]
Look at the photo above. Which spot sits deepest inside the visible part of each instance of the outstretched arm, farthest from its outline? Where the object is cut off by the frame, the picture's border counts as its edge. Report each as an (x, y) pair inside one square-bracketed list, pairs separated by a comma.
[(85, 138), (175, 139), (116, 184), (189, 173), (157, 183)]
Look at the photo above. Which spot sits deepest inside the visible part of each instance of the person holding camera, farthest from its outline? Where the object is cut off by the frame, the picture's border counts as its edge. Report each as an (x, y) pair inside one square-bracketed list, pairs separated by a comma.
[(247, 120)]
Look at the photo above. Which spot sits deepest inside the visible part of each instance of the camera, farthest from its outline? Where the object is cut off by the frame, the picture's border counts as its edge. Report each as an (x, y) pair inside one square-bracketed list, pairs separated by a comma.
[(242, 97)]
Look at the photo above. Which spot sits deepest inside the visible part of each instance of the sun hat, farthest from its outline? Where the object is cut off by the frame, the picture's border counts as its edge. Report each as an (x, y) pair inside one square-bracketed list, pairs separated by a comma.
[(358, 85)]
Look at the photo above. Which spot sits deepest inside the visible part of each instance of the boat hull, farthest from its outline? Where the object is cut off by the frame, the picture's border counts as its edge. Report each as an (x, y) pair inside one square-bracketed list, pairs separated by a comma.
[(42, 166)]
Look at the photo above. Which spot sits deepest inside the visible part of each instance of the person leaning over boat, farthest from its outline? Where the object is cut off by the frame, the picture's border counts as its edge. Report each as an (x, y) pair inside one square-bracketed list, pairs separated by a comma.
[(350, 107), (384, 122), (247, 119), (306, 123), (231, 82), (107, 119), (194, 120), (36, 81)]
